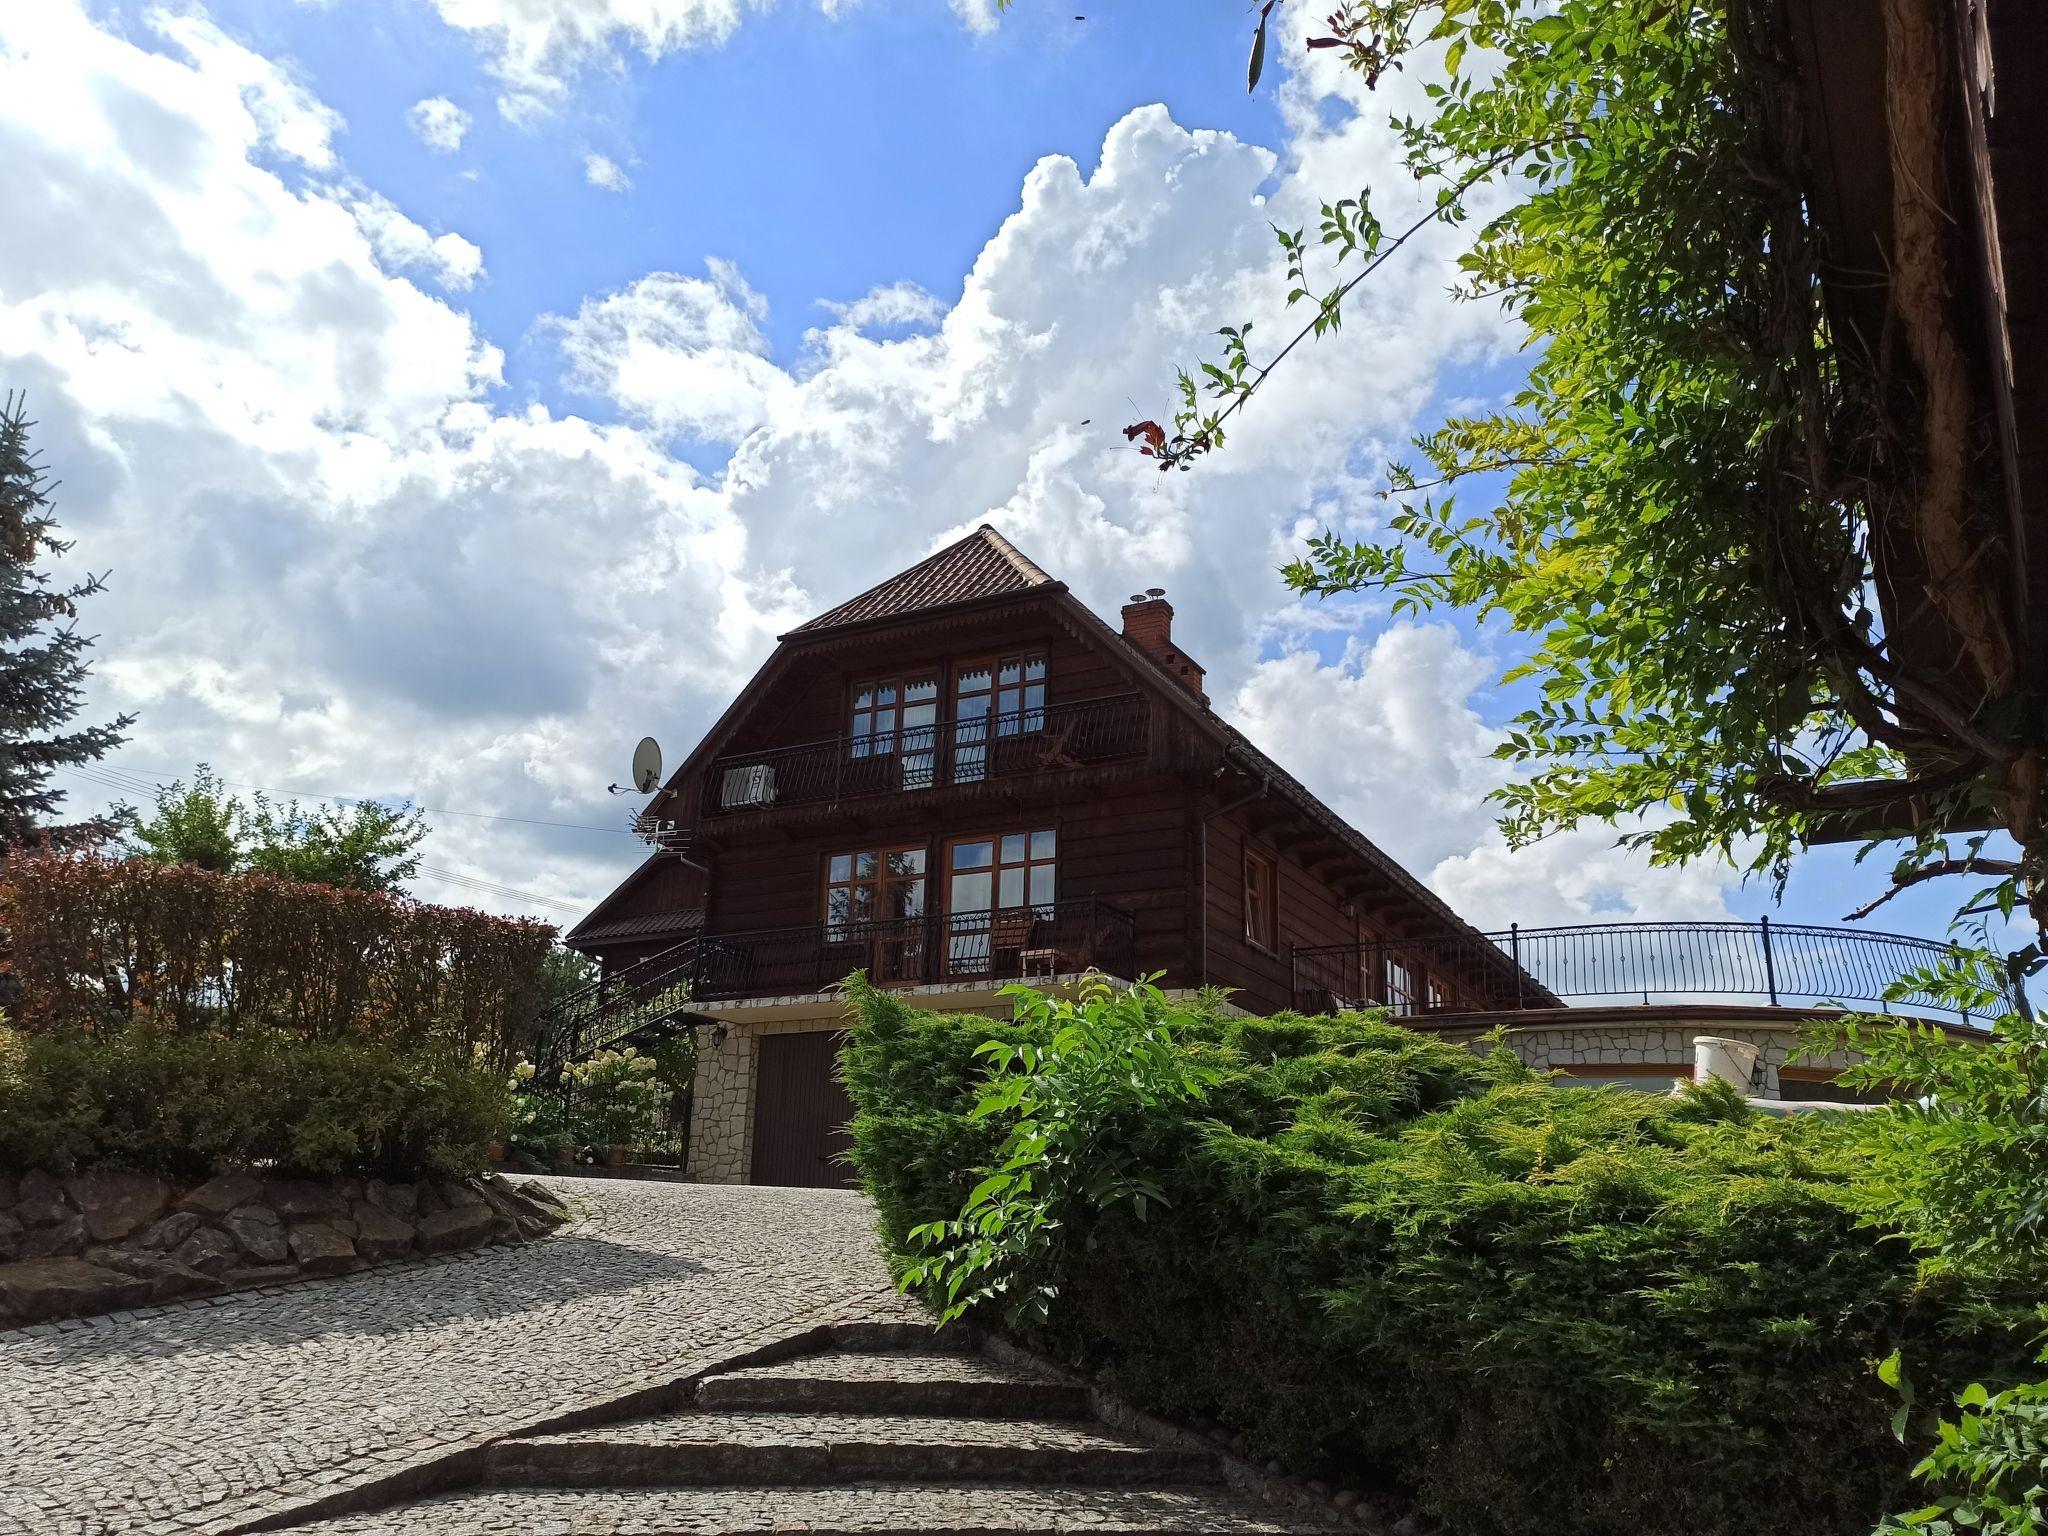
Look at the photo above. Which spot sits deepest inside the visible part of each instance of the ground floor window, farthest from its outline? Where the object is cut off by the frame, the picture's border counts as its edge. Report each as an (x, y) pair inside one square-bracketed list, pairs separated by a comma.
[(1261, 924), (998, 890), (873, 886)]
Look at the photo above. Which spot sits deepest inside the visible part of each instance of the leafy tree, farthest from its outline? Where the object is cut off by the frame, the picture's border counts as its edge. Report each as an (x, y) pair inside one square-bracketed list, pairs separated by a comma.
[(1693, 506), (197, 824), (363, 845), (42, 655)]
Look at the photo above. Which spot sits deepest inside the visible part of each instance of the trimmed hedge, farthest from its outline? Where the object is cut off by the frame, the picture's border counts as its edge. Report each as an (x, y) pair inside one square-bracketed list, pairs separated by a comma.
[(175, 1020), (93, 940), (1535, 1309)]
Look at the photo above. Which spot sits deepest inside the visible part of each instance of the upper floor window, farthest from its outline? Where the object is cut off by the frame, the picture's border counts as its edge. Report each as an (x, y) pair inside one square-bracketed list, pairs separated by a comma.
[(1260, 917), (1020, 694), (873, 886), (897, 716)]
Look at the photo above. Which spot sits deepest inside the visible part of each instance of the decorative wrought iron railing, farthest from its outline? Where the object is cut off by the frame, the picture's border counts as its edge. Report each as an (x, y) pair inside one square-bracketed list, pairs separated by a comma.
[(931, 755), (1011, 944), (1633, 962)]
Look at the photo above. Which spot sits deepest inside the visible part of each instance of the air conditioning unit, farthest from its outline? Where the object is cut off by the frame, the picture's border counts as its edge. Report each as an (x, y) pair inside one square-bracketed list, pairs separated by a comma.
[(749, 784)]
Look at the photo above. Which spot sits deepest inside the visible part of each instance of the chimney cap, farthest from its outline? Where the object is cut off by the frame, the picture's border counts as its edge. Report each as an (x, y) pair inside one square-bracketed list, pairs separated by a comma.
[(1137, 597), (1155, 591)]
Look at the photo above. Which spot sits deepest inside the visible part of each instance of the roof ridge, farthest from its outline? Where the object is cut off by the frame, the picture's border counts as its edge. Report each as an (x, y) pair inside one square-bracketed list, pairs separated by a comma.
[(980, 564), (1025, 566)]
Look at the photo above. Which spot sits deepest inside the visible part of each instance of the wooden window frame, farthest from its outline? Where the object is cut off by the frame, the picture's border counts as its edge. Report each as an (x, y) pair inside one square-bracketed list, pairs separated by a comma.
[(880, 882), (1263, 934), (1404, 1002), (1026, 718)]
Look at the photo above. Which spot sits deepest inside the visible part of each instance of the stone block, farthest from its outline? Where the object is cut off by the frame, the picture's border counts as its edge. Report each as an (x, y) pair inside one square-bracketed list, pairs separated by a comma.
[(303, 1199), (379, 1232), (68, 1287), (448, 1231), (168, 1279), (11, 1234), (40, 1201), (115, 1204), (208, 1251), (259, 1232), (66, 1237), (319, 1248), (166, 1232), (218, 1196), (400, 1200)]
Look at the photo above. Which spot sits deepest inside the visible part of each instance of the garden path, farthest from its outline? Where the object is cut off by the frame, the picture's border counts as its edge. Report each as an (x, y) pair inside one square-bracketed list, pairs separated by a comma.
[(208, 1415)]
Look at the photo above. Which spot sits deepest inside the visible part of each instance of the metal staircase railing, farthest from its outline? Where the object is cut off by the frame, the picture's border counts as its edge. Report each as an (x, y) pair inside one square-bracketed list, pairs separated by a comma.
[(646, 999)]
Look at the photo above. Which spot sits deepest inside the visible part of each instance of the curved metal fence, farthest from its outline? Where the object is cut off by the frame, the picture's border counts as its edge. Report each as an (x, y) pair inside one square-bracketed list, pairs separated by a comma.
[(1761, 961)]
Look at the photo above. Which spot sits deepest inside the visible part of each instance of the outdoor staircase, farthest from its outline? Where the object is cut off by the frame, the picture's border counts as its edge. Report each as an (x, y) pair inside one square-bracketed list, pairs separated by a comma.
[(641, 1005), (885, 1432)]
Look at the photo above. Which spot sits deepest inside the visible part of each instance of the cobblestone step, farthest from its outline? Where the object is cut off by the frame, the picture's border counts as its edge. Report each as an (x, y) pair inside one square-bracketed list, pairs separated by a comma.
[(894, 1382), (859, 1509), (788, 1448)]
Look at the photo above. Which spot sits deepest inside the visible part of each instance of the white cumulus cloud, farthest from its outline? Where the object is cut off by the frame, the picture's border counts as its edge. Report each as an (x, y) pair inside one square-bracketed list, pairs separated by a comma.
[(344, 560), (439, 124), (601, 171)]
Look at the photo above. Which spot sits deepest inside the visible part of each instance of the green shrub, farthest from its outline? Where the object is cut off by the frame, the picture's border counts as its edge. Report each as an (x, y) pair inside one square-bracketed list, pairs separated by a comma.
[(143, 1097), (1536, 1309)]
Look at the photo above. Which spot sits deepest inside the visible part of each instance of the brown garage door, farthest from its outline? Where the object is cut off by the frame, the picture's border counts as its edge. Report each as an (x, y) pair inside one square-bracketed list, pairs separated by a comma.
[(800, 1112)]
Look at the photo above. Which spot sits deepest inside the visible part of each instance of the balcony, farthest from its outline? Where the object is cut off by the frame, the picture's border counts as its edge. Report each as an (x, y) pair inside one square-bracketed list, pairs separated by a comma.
[(926, 756), (1526, 968), (1013, 944), (968, 950)]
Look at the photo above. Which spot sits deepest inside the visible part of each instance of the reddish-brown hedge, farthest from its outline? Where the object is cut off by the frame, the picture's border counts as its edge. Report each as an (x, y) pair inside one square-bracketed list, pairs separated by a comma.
[(93, 941)]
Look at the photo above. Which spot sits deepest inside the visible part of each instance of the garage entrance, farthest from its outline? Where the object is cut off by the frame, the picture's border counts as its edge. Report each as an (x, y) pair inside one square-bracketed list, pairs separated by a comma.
[(800, 1113)]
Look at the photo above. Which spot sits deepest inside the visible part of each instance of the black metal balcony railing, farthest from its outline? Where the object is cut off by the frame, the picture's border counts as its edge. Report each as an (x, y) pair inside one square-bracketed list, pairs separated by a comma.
[(1629, 962), (973, 750), (1010, 944)]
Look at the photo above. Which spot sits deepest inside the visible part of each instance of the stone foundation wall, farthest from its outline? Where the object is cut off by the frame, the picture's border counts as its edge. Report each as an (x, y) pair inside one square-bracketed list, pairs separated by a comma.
[(1648, 1045), (722, 1099), (100, 1242)]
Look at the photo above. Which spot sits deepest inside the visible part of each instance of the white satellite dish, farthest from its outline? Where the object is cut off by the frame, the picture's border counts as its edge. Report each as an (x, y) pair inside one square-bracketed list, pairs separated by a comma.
[(646, 765)]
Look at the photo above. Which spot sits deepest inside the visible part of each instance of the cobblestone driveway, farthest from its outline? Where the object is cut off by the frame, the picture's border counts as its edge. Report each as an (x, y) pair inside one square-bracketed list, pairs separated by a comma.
[(208, 1415)]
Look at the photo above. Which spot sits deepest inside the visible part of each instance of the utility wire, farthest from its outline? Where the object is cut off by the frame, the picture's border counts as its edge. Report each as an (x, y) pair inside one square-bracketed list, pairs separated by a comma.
[(143, 785)]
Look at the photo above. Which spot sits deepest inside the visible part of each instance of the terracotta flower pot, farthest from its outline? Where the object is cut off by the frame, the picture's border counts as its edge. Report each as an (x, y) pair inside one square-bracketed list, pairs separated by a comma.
[(495, 1152), (616, 1157)]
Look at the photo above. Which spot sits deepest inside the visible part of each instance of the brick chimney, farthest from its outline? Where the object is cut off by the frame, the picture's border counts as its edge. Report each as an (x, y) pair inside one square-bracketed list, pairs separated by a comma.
[(1148, 624)]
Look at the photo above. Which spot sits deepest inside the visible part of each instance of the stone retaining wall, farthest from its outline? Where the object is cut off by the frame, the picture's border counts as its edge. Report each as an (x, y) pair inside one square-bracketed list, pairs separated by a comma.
[(101, 1242)]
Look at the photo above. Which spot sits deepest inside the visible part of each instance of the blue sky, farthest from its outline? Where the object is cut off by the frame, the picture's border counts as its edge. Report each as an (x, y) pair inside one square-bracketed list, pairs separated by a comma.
[(448, 472)]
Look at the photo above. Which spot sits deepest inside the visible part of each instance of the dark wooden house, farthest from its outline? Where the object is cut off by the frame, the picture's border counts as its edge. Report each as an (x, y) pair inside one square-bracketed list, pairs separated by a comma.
[(963, 777)]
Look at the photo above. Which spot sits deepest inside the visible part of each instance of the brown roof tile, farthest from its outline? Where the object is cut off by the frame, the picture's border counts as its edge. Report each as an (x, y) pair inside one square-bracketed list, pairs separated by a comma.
[(649, 925), (982, 565)]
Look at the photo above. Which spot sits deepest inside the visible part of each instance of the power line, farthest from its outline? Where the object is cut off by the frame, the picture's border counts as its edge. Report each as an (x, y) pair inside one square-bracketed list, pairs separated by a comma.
[(143, 785)]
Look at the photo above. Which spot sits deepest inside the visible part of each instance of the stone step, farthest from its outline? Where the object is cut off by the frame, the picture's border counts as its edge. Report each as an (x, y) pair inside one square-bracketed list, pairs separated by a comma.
[(909, 1381), (858, 1509), (792, 1448)]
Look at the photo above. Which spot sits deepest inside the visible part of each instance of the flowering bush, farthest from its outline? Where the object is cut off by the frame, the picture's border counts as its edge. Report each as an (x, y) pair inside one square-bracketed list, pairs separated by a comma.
[(618, 1097)]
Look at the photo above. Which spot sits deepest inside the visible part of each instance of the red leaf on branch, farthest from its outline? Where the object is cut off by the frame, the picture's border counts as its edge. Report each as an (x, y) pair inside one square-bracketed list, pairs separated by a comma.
[(1153, 434)]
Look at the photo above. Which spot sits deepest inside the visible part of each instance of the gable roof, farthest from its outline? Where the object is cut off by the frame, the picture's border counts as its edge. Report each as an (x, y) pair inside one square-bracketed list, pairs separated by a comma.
[(980, 566), (986, 565)]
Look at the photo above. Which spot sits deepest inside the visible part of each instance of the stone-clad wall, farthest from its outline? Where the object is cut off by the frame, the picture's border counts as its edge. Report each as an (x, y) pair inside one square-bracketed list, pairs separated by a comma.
[(1565, 1046), (722, 1102), (95, 1242)]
